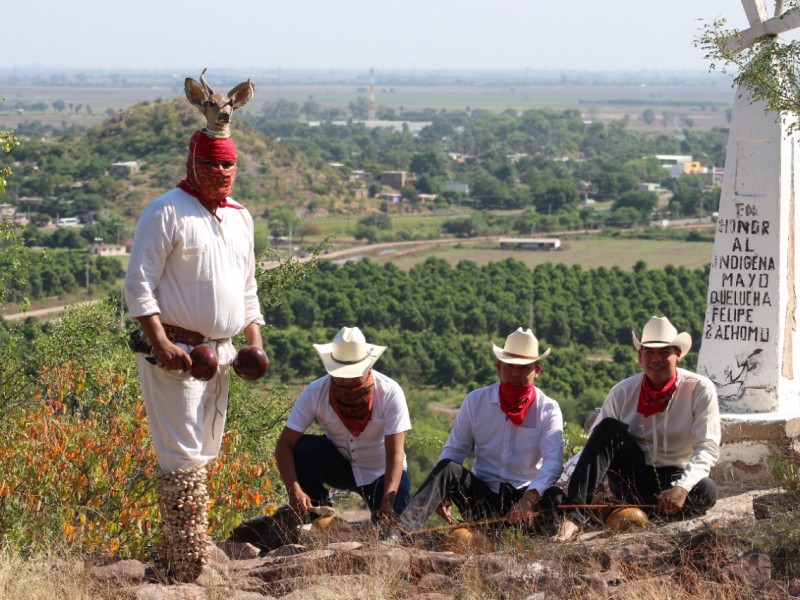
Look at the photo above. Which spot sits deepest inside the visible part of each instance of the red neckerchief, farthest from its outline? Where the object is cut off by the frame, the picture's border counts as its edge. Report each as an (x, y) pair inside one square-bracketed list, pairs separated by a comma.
[(651, 400), (353, 405), (210, 206), (515, 400), (209, 184)]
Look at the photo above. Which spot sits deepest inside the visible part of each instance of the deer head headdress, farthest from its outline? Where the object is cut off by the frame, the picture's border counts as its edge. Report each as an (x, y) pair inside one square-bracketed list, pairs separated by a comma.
[(217, 108)]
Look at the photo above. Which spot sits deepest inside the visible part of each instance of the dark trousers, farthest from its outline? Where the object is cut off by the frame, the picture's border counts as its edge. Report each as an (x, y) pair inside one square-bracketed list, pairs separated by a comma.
[(318, 463), (612, 451), (452, 482)]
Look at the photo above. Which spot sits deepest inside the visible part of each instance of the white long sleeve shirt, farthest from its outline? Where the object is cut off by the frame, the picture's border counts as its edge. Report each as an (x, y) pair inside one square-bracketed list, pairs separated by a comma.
[(530, 455), (367, 452), (686, 434), (195, 271)]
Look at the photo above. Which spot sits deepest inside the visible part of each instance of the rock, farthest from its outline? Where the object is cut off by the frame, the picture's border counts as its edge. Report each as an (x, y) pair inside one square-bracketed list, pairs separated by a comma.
[(239, 550), (434, 582), (288, 550), (381, 558), (753, 567), (183, 591), (267, 533), (131, 571), (521, 579), (625, 555), (217, 555), (344, 546), (773, 504)]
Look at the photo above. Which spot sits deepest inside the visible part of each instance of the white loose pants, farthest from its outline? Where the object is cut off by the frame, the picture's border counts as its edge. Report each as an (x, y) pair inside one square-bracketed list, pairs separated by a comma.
[(186, 415)]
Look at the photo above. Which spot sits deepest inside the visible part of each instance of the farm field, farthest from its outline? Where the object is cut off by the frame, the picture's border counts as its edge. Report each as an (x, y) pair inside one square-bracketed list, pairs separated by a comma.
[(589, 252), (705, 104)]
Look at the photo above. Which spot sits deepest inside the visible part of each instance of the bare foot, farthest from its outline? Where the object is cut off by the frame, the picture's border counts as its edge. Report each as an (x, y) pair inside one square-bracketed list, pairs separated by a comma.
[(566, 531)]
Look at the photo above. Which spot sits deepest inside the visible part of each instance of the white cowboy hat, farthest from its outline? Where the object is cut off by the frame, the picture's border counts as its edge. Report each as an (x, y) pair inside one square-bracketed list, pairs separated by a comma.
[(659, 332), (521, 348), (349, 355)]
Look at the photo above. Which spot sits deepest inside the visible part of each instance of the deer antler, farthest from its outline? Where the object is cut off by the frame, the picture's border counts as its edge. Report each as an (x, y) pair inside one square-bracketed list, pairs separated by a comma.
[(203, 81), (217, 108)]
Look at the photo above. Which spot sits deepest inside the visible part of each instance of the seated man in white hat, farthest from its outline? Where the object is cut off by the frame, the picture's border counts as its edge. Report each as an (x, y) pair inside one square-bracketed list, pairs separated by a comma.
[(364, 416), (512, 426), (657, 436)]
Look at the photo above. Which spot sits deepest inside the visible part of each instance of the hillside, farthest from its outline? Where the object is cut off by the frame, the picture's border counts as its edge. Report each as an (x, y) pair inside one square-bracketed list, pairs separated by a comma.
[(68, 173)]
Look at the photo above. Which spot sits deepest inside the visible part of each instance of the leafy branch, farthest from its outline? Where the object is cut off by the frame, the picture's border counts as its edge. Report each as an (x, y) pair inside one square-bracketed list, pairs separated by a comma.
[(768, 68)]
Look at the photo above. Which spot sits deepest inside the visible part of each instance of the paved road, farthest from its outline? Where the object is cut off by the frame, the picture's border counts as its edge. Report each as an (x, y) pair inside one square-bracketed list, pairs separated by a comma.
[(42, 313)]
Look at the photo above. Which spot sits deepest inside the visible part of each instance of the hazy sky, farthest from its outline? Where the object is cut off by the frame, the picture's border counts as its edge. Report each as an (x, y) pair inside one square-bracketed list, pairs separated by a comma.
[(356, 34)]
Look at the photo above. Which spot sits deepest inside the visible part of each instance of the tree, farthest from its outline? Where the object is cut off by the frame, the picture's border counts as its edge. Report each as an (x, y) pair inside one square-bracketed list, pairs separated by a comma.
[(558, 195), (7, 143), (642, 201), (282, 110), (359, 108), (767, 67), (649, 116), (283, 222), (427, 163), (311, 109), (366, 232)]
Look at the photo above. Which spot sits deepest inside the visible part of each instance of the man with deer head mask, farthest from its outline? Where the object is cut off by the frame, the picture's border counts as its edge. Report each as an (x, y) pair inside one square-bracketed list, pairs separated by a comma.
[(191, 284)]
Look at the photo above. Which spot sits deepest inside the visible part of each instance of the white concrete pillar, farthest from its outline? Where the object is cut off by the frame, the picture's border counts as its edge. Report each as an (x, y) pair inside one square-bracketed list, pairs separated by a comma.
[(750, 346)]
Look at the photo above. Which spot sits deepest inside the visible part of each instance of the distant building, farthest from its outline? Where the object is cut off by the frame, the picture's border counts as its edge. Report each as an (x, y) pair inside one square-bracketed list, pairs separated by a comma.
[(456, 186), (680, 164), (669, 160), (529, 243), (359, 175), (124, 169), (394, 179), (21, 220), (7, 211), (393, 198), (360, 193), (101, 249), (426, 198)]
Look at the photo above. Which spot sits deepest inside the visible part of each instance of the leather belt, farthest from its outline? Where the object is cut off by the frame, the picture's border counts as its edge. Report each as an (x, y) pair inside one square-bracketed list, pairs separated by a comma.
[(179, 335)]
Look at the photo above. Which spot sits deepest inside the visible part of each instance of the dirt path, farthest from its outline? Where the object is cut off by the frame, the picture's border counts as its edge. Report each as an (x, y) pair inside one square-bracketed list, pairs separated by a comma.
[(43, 313)]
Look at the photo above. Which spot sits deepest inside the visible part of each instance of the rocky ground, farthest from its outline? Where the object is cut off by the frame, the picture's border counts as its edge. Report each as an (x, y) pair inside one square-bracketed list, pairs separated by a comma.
[(598, 564)]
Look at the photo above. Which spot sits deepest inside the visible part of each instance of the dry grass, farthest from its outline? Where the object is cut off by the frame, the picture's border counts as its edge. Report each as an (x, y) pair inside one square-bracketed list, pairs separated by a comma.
[(44, 578), (667, 569)]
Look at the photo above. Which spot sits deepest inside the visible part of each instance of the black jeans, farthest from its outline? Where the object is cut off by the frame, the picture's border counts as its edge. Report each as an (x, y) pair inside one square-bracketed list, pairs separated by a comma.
[(452, 482), (318, 463), (612, 451)]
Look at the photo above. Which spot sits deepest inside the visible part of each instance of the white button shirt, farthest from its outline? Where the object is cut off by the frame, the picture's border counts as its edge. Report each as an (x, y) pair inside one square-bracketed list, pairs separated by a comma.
[(686, 434), (530, 455), (366, 453), (195, 271)]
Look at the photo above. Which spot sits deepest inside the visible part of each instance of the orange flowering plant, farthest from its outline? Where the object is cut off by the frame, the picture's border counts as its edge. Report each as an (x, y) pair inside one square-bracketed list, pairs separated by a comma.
[(77, 466)]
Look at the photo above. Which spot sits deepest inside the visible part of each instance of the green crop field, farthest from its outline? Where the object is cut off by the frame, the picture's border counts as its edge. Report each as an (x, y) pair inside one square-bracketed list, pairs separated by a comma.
[(589, 252)]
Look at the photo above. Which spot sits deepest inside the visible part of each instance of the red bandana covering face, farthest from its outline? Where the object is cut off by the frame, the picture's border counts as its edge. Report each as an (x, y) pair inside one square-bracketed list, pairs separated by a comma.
[(515, 400), (353, 405), (652, 400), (209, 184)]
